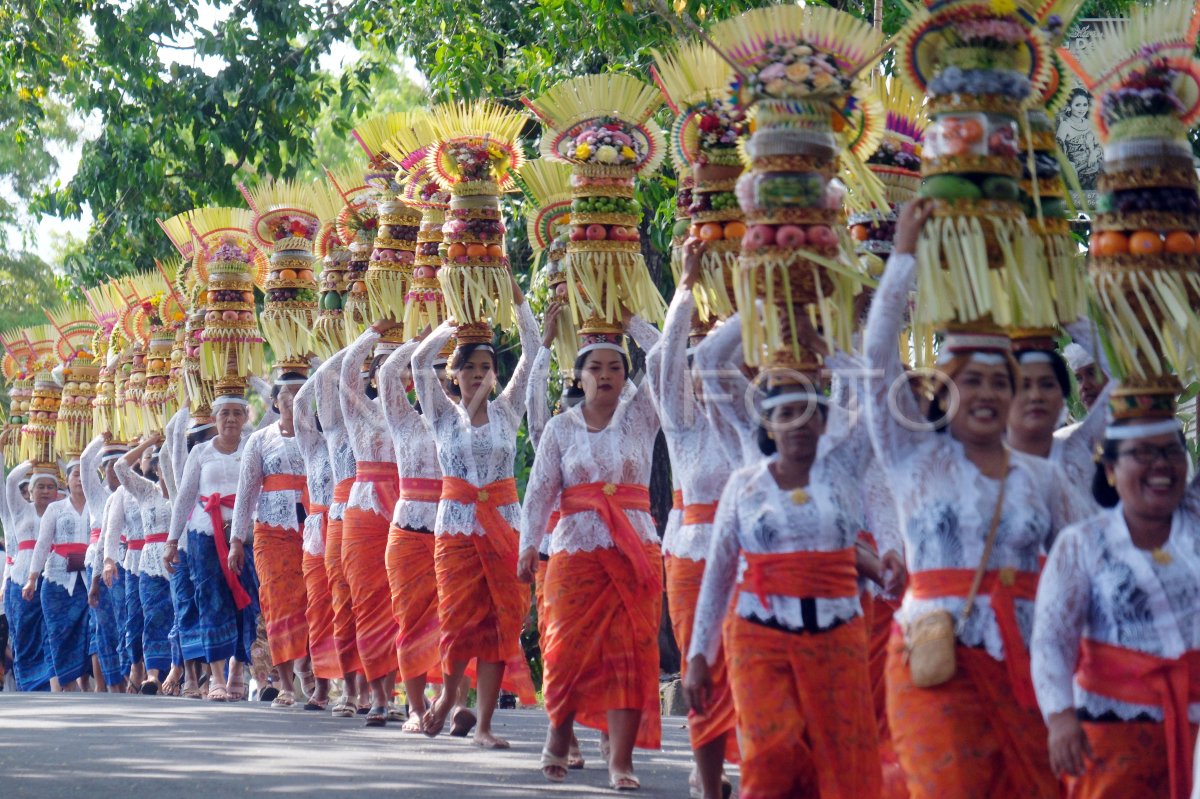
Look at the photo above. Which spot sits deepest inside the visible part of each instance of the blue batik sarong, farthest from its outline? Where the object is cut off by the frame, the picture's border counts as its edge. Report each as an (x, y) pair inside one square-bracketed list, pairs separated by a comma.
[(108, 614), (66, 615), (187, 612), (134, 622), (27, 629), (159, 617)]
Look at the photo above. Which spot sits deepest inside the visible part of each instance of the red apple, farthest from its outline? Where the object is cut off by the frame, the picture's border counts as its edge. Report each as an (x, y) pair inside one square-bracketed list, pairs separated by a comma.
[(579, 233), (229, 316), (759, 236), (246, 316), (617, 233), (822, 236), (790, 236), (597, 233)]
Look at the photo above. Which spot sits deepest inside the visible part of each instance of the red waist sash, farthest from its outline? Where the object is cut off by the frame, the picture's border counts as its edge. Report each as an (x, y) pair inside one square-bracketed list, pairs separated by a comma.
[(67, 550), (827, 575), (677, 500), (385, 478), (212, 505), (156, 538), (341, 491), (136, 545), (1138, 678), (610, 501), (94, 537), (25, 546), (700, 513), (420, 489), (487, 500), (1002, 587)]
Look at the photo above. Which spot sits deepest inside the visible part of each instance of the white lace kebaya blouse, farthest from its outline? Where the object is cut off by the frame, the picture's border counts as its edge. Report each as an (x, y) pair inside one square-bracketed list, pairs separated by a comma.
[(328, 378), (755, 515), (155, 513), (700, 468), (570, 455), (945, 503), (267, 452), (1098, 585), (481, 454), (412, 439), (717, 358), (96, 492), (60, 524), (122, 524), (364, 419), (316, 465), (20, 524), (207, 472)]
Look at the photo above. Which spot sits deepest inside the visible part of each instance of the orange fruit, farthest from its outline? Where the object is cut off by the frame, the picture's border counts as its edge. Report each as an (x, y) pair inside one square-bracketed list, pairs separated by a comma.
[(304, 274), (1145, 242), (1111, 242), (1180, 242), (711, 231), (495, 252), (456, 250), (477, 251), (286, 274), (972, 129), (860, 232), (735, 230)]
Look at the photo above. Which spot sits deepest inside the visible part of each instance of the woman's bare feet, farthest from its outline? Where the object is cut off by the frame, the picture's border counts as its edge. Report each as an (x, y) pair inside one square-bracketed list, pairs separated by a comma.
[(434, 719), (486, 740)]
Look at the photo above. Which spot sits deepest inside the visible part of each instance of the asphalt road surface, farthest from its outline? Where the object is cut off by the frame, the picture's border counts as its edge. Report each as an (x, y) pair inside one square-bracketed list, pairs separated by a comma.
[(129, 747)]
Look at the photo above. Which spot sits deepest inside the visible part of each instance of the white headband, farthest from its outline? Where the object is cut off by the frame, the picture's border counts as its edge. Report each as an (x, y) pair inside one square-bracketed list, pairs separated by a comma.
[(43, 476), (290, 381), (601, 345), (71, 466), (1128, 432), (787, 398), (228, 400), (1036, 356), (440, 362), (200, 428), (986, 358), (1077, 357)]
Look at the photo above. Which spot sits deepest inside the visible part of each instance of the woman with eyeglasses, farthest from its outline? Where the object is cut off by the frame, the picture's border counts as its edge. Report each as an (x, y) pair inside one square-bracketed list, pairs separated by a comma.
[(1116, 639)]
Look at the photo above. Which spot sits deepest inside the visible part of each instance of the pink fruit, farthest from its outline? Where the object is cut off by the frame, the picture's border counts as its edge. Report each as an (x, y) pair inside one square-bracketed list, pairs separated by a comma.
[(246, 316), (423, 271), (560, 290), (822, 236), (759, 236), (597, 233), (790, 236), (404, 256), (579, 233), (229, 316), (212, 316), (618, 233)]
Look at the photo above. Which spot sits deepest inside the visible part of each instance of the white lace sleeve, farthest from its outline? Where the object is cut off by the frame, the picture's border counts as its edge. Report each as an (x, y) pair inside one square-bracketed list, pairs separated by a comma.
[(263, 389), (666, 364), (1080, 445), (393, 394), (720, 578), (94, 489), (537, 397), (542, 491), (189, 491), (45, 538), (141, 489), (1083, 332), (1068, 504), (250, 481), (167, 470), (1059, 616), (717, 359), (177, 443), (893, 440), (328, 378), (512, 398), (434, 402), (114, 524), (646, 336), (356, 409), (12, 494)]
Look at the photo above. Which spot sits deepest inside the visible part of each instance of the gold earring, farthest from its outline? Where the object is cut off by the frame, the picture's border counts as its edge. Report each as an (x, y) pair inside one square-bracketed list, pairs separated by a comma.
[(1112, 483), (770, 435)]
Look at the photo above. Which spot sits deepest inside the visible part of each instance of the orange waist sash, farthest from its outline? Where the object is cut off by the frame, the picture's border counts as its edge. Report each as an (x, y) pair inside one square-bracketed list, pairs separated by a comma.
[(700, 513), (287, 482), (610, 501), (487, 500), (827, 575), (341, 491), (385, 478), (1127, 675), (1002, 587), (677, 500), (420, 489)]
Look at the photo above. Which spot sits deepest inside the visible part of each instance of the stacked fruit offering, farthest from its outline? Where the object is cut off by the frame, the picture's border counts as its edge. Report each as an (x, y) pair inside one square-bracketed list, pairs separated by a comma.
[(1145, 261), (548, 212), (20, 394), (897, 163), (683, 220), (475, 152), (159, 398), (796, 257), (135, 389), (600, 125), (37, 434), (424, 305), (230, 339), (76, 331), (329, 332), (392, 258)]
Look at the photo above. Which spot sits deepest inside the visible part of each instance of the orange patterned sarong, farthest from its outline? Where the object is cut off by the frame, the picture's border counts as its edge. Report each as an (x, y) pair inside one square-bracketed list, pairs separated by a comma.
[(481, 604), (278, 558), (683, 590), (968, 736), (413, 585), (1129, 761), (344, 633), (601, 647), (364, 545), (805, 721), (319, 615)]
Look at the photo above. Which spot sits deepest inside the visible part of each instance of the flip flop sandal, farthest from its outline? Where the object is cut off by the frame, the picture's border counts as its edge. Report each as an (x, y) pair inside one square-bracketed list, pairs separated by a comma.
[(554, 768), (726, 787), (284, 699), (151, 687), (237, 686), (217, 694), (395, 712), (316, 704), (462, 722), (574, 758), (308, 681), (363, 709), (344, 709), (413, 725), (377, 717), (428, 726), (170, 688), (191, 692), (623, 781), (268, 694)]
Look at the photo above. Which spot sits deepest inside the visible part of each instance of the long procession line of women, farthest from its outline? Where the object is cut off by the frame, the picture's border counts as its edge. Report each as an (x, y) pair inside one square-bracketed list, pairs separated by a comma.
[(888, 578)]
